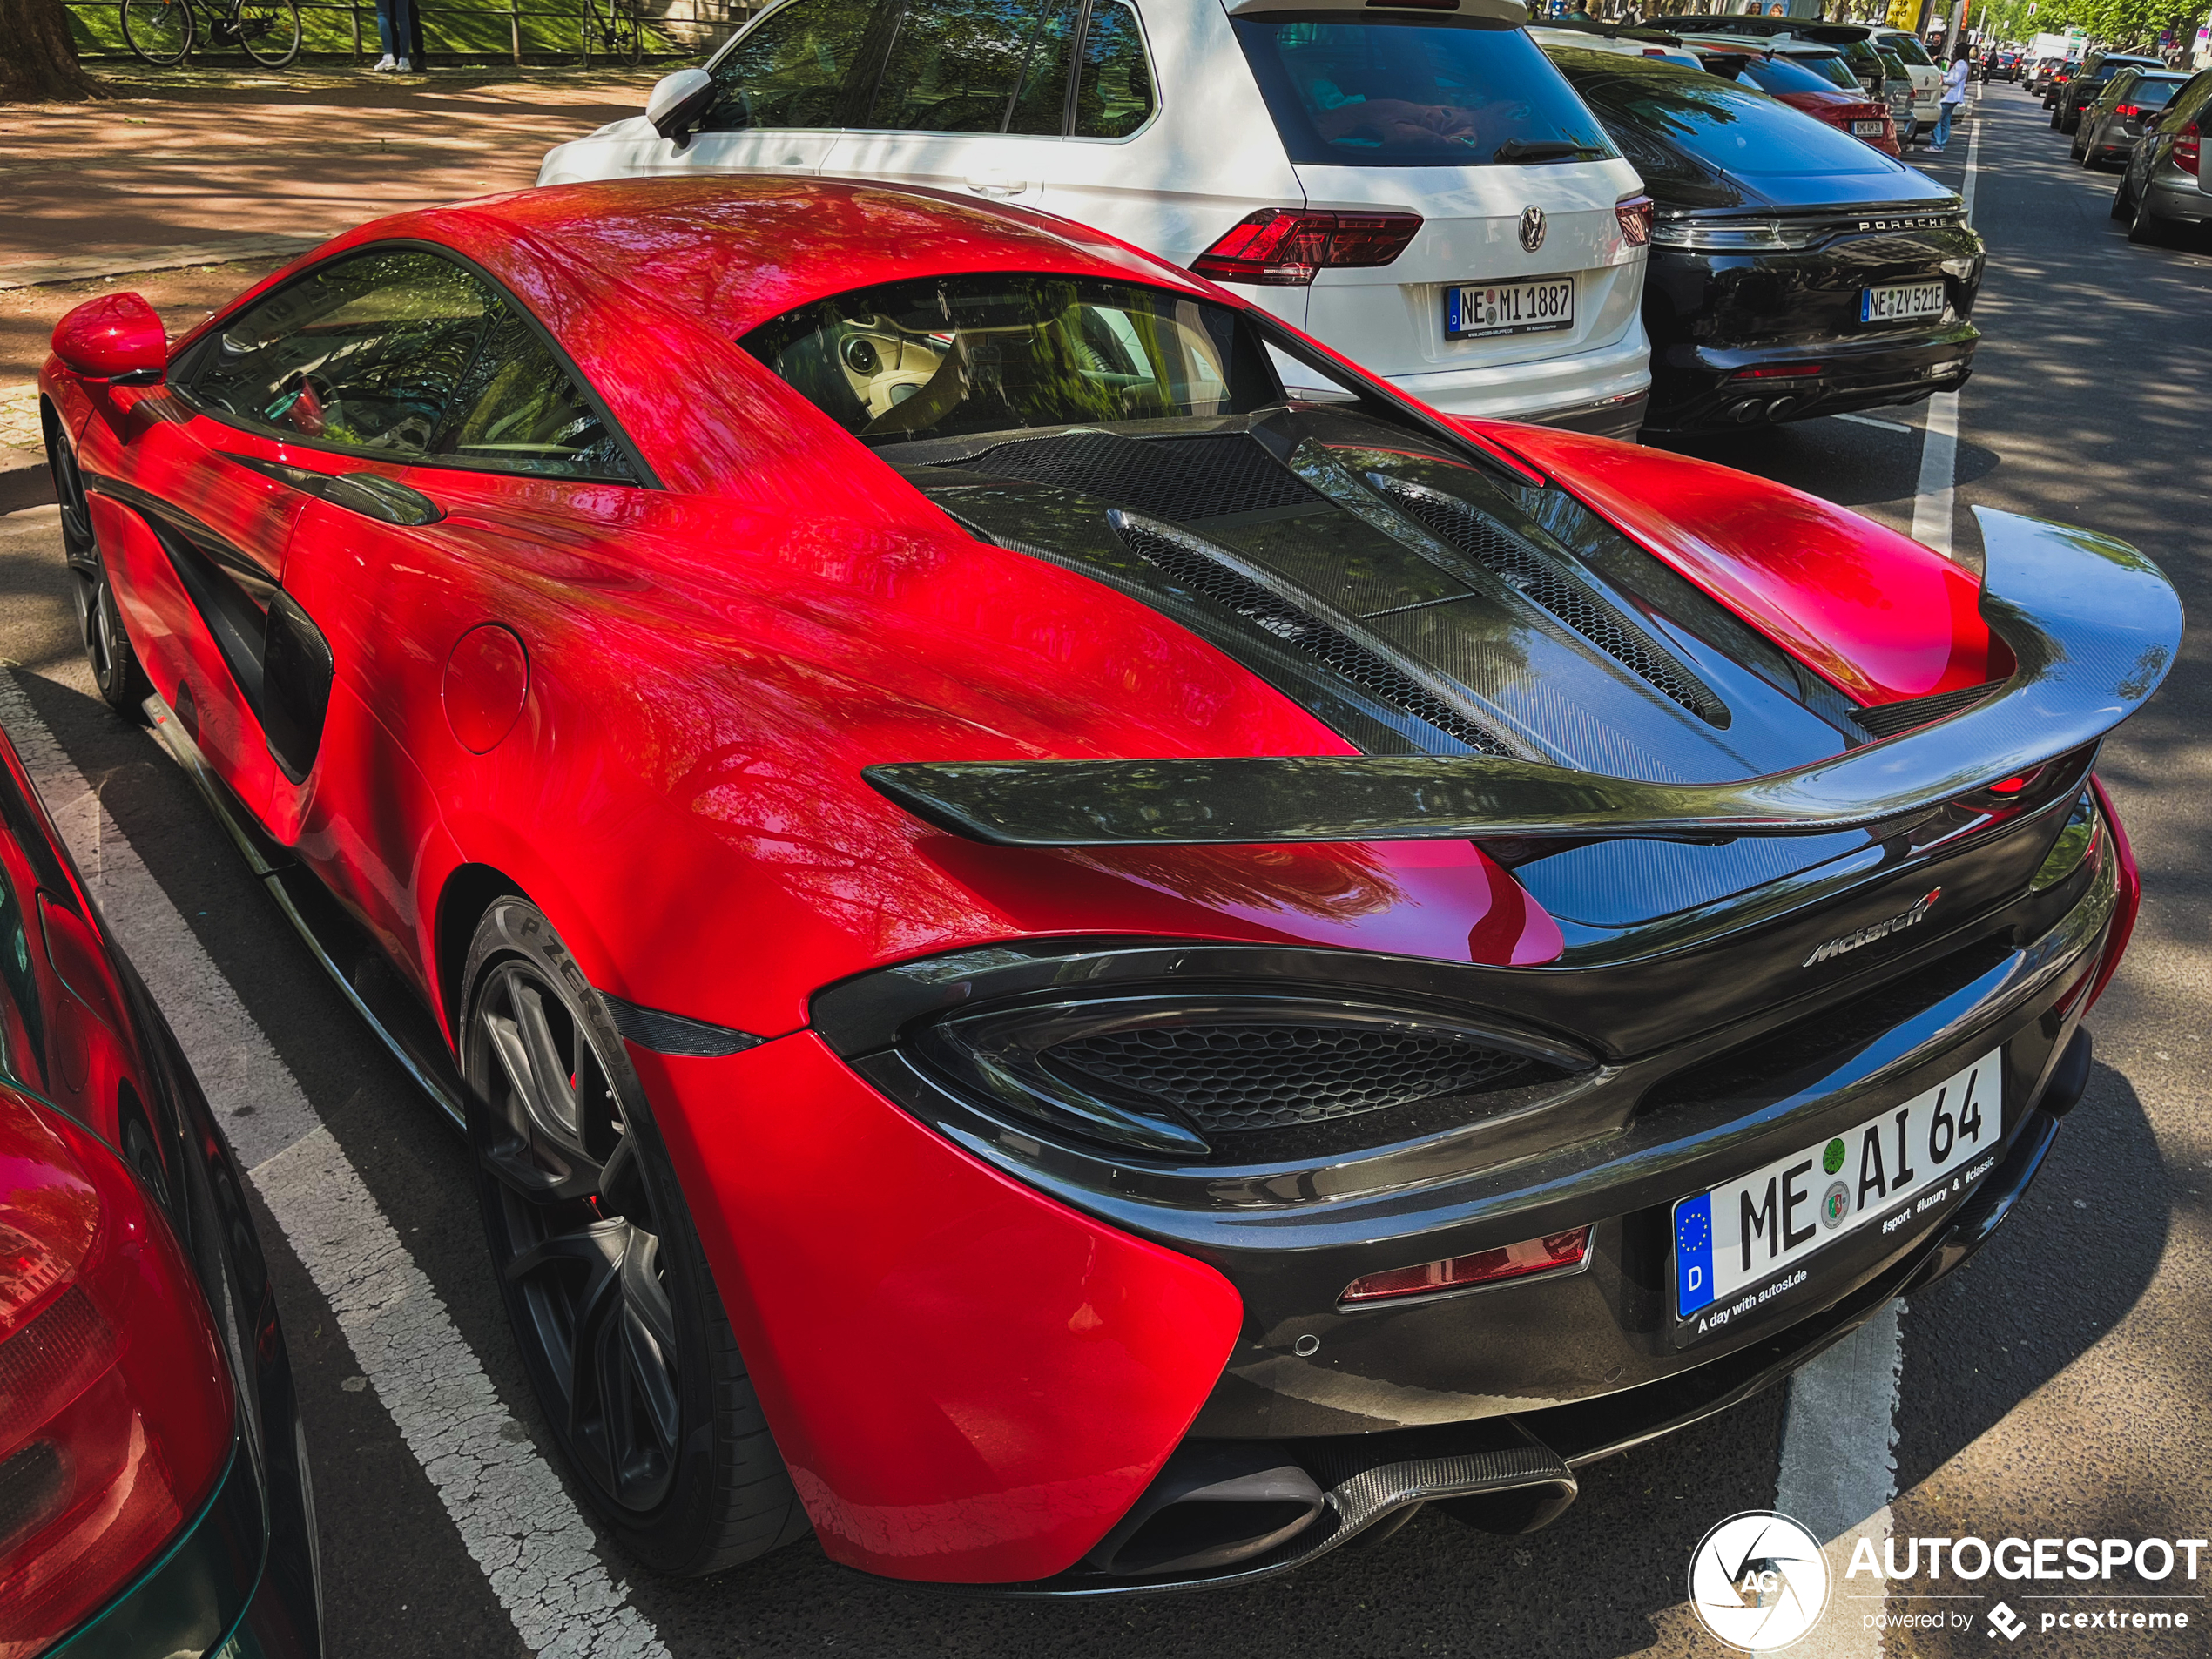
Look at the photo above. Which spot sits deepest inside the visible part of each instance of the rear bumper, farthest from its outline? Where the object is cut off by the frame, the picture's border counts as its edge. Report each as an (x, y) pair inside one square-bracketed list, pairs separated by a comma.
[(1701, 386), (2175, 195), (1601, 386)]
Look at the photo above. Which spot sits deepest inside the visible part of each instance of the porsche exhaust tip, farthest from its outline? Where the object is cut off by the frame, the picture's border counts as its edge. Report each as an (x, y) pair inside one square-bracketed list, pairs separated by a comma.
[(1211, 1507)]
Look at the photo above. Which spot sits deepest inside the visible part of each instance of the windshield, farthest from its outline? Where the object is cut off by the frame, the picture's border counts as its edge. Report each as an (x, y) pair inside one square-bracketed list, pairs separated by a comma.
[(1773, 74), (2148, 94), (1391, 94), (1907, 47), (1726, 126), (1831, 67), (945, 356)]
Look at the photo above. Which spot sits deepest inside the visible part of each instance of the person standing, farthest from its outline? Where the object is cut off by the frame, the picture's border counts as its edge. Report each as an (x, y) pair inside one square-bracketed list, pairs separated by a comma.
[(396, 26), (1955, 94)]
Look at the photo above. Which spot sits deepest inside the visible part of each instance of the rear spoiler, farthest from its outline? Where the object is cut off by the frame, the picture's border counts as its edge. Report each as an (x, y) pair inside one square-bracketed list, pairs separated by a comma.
[(2093, 627)]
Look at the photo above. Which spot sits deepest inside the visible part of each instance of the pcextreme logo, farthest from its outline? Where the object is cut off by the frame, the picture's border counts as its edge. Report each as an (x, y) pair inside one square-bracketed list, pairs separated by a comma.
[(1883, 929), (1757, 1582)]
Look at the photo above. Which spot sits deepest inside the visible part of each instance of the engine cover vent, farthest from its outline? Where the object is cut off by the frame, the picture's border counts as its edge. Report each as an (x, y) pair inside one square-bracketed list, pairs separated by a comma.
[(1545, 583), (1186, 563), (1184, 479), (1888, 719)]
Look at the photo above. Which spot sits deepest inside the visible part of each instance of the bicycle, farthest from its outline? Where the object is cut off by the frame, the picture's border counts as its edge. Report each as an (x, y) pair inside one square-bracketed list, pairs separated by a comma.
[(163, 31), (615, 34)]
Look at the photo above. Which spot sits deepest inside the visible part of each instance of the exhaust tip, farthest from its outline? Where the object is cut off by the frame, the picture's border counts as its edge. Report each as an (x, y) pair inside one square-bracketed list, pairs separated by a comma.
[(1212, 1505)]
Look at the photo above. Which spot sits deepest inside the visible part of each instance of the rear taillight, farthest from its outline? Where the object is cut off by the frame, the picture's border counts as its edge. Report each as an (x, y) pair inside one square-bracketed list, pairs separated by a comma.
[(2186, 143), (116, 1411), (1635, 214), (1552, 1253), (2130, 110), (1281, 249)]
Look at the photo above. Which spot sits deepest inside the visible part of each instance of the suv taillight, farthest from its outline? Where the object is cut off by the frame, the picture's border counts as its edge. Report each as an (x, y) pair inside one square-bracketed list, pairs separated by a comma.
[(2186, 148), (116, 1410), (1281, 249), (1635, 214)]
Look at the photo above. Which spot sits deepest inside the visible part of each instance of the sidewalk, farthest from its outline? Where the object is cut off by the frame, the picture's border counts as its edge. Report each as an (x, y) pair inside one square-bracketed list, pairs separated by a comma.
[(219, 177)]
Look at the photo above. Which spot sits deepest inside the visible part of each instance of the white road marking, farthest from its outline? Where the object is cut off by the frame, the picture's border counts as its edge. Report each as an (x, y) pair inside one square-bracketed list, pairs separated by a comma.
[(1870, 420), (506, 1502), (1935, 505), (1838, 1470)]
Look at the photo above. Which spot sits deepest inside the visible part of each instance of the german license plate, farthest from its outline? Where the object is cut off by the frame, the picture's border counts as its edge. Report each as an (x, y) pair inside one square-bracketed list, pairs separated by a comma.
[(1901, 302), (1866, 129), (1748, 1240), (1484, 310)]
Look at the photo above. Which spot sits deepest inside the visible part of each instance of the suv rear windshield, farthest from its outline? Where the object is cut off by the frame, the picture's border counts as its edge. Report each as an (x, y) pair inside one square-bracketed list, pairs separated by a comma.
[(1907, 47), (945, 356), (1730, 127), (2149, 94), (1385, 93)]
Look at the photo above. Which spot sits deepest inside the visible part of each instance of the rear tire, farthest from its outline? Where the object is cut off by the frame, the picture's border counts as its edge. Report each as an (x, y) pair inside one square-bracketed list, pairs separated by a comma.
[(606, 1285), (2146, 229), (2123, 206)]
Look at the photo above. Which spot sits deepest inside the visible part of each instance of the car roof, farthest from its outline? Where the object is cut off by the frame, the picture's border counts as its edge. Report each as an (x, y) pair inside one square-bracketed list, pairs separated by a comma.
[(732, 250)]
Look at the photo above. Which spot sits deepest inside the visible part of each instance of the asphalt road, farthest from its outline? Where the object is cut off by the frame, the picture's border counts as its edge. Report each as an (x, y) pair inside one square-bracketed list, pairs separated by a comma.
[(2056, 1386)]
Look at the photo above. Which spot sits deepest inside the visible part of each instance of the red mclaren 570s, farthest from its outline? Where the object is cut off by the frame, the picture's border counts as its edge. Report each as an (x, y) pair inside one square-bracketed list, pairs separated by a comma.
[(1077, 971)]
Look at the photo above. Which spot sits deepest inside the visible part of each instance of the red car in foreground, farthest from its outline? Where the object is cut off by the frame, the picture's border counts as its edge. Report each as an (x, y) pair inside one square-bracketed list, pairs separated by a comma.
[(1076, 973), (1779, 76)]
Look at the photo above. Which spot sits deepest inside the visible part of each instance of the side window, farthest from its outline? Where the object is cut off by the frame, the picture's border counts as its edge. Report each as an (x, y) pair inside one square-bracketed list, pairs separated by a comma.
[(1114, 95), (791, 70), (518, 410), (23, 1013), (977, 66), (363, 353)]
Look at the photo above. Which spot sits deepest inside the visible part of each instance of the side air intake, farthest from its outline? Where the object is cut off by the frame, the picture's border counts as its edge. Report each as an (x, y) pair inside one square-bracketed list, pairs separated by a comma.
[(1187, 563), (1544, 583)]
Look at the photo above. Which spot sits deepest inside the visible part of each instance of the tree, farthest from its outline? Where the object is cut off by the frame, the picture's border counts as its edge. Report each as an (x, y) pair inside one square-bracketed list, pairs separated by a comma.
[(38, 55)]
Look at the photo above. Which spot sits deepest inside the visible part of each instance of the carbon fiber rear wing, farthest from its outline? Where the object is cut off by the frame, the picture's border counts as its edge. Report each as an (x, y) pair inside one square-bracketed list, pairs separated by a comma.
[(2093, 627)]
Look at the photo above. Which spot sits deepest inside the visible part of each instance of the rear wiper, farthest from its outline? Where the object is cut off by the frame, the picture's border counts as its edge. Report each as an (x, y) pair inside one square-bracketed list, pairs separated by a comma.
[(1541, 150)]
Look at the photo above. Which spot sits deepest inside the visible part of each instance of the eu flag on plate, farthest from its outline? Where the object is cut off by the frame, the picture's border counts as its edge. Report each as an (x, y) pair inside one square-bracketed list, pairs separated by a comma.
[(1693, 1254)]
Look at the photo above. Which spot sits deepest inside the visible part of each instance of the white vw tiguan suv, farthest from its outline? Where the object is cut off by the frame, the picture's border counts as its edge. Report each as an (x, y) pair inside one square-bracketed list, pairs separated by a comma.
[(1412, 183)]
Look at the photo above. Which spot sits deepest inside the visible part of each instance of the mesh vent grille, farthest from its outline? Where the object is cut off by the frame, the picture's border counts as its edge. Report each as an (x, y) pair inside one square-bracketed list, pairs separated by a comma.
[(1887, 719), (1545, 583), (1178, 478), (1190, 567), (1251, 1076)]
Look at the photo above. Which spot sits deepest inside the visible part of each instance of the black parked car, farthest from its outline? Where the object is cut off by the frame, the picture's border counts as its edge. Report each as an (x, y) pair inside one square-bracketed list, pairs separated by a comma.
[(2000, 66), (153, 1481), (2164, 189), (2111, 125), (2077, 94), (1795, 272)]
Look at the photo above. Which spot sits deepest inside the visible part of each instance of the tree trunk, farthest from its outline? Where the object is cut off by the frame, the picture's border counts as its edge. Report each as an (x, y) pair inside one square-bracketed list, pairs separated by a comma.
[(37, 55)]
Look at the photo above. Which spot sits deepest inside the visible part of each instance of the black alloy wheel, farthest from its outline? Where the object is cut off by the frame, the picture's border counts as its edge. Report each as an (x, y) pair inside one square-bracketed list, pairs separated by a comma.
[(604, 1281), (116, 674)]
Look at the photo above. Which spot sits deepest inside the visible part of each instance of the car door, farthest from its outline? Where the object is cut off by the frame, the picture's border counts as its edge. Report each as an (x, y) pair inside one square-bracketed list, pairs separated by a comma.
[(787, 88), (433, 616), (327, 387), (972, 96)]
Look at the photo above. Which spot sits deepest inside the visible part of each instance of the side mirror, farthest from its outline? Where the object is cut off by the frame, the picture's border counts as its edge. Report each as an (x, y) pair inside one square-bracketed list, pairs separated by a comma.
[(116, 338), (678, 103)]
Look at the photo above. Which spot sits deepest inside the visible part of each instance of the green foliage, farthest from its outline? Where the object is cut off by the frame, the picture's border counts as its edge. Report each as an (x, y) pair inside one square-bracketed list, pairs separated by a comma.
[(464, 27), (2112, 23)]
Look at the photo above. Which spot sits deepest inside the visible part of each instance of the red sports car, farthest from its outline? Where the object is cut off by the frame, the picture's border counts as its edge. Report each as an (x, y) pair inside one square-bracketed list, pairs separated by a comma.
[(1073, 972)]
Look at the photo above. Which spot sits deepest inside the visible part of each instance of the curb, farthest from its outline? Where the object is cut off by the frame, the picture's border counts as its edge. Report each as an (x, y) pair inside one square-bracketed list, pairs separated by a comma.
[(28, 484)]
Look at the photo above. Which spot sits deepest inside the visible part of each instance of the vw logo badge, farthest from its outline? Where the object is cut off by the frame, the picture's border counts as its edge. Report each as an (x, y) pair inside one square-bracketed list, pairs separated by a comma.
[(1532, 228)]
